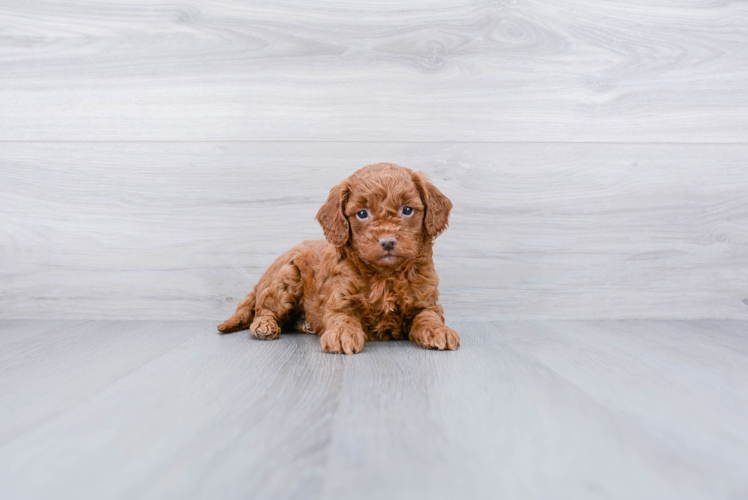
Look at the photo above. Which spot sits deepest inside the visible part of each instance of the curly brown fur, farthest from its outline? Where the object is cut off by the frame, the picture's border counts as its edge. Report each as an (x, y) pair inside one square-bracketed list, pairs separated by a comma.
[(374, 277)]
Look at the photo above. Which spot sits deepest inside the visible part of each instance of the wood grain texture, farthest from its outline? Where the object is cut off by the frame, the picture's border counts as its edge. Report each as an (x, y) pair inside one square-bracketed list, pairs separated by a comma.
[(48, 367), (215, 416), (531, 409), (184, 230), (642, 71)]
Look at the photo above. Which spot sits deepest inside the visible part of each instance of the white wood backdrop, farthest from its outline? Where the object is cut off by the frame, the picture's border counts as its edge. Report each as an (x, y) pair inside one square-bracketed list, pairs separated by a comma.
[(155, 157)]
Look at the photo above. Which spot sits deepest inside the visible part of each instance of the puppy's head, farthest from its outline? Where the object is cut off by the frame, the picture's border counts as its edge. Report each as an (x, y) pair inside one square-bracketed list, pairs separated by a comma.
[(386, 213)]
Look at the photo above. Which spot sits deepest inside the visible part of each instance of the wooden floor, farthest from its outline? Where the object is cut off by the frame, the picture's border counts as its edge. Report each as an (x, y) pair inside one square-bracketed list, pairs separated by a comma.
[(525, 409)]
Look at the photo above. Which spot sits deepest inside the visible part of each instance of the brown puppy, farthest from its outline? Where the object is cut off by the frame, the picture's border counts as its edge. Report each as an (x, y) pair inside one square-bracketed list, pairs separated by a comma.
[(374, 277)]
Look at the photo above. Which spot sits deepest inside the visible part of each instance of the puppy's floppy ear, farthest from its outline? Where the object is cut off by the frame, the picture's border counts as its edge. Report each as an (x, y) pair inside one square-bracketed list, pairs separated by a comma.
[(332, 217), (438, 206)]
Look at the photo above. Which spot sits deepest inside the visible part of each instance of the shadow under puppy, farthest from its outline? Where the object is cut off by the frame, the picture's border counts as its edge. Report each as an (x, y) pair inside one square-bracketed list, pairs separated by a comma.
[(374, 277)]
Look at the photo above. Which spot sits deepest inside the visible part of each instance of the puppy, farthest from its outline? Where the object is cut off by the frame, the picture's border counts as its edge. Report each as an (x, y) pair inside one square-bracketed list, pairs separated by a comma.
[(374, 277)]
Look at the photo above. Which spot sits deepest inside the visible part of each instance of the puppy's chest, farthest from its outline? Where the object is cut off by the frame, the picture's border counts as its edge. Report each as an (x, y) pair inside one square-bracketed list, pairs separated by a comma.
[(387, 309)]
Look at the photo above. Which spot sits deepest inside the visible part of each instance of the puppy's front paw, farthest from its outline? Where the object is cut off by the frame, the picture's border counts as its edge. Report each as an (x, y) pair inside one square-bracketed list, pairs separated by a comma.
[(346, 340), (436, 337), (265, 327)]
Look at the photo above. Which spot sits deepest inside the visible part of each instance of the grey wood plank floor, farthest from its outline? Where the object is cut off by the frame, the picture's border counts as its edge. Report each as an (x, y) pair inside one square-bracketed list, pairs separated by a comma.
[(525, 409)]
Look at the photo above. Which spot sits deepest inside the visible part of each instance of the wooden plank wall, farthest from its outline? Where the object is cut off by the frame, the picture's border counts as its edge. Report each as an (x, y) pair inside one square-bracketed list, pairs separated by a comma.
[(156, 156)]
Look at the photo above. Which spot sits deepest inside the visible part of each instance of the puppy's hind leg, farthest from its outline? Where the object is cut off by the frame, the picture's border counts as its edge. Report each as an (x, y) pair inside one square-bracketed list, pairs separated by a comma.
[(302, 326), (278, 294), (242, 318)]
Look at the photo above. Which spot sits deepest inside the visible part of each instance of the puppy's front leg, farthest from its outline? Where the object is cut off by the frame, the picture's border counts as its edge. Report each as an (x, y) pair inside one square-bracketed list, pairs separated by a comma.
[(428, 330), (343, 334)]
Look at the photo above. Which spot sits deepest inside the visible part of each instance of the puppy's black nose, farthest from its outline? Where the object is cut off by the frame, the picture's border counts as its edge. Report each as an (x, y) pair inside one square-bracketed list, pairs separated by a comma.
[(388, 244)]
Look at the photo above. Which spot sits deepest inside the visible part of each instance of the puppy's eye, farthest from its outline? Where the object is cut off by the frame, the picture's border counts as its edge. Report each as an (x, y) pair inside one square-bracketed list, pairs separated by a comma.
[(362, 214), (407, 211)]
